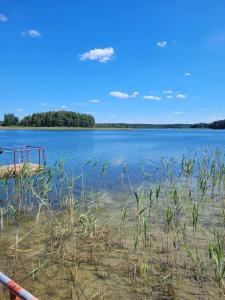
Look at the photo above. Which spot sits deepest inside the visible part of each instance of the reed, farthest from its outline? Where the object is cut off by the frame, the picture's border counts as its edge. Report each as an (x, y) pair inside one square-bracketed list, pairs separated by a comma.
[(216, 254), (162, 239)]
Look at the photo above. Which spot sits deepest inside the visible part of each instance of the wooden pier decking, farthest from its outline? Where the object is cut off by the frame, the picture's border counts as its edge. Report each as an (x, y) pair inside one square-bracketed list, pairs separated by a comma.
[(17, 169)]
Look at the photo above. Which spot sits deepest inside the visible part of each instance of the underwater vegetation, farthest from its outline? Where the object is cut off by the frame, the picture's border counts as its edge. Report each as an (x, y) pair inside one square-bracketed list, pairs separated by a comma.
[(163, 239)]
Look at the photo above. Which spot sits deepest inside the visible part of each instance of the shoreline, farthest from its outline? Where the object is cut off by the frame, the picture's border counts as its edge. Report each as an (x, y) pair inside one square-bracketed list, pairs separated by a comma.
[(11, 128), (62, 128)]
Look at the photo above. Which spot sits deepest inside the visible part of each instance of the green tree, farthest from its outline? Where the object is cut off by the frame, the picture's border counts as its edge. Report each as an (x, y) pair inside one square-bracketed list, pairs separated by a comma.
[(10, 120), (58, 119)]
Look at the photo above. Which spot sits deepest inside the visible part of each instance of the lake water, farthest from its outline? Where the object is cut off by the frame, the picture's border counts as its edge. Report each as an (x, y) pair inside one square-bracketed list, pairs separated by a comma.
[(135, 148)]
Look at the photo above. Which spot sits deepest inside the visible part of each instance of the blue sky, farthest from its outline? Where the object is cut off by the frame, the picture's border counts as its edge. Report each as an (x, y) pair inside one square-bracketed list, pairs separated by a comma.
[(138, 61)]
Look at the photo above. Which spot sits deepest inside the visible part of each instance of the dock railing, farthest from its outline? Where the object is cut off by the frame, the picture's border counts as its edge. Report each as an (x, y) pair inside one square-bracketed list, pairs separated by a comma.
[(41, 153), (22, 154), (16, 292)]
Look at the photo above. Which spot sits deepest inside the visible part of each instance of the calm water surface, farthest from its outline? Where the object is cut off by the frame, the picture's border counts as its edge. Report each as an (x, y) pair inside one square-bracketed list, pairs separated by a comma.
[(134, 148)]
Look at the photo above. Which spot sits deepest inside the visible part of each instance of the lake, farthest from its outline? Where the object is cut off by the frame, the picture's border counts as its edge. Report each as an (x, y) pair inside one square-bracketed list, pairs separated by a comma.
[(134, 148)]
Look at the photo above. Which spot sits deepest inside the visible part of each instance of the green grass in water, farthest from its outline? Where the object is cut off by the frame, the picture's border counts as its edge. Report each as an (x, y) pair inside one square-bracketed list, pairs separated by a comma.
[(159, 241)]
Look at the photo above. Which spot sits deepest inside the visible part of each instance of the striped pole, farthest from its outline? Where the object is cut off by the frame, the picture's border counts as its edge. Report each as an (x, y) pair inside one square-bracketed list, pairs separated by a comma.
[(14, 160), (15, 289)]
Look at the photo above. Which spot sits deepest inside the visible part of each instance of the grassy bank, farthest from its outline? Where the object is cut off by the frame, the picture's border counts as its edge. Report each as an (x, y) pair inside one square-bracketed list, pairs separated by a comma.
[(162, 241)]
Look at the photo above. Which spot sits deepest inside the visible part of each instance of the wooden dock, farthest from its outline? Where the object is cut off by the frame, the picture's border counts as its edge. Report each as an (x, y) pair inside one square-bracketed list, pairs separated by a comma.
[(18, 169)]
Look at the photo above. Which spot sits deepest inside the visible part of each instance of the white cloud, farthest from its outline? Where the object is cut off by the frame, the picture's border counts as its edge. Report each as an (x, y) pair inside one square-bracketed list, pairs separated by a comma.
[(122, 95), (151, 97), (94, 101), (119, 95), (169, 97), (177, 112), (32, 33), (43, 103), (162, 44), (187, 74), (168, 92), (3, 18), (101, 55), (19, 109), (134, 94), (181, 96)]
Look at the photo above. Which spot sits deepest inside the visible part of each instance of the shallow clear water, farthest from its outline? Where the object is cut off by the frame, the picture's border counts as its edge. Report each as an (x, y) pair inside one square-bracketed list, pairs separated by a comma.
[(116, 268), (134, 148)]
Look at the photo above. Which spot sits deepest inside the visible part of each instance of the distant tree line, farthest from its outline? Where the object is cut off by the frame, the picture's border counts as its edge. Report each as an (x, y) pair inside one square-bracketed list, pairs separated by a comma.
[(200, 125), (218, 124), (141, 126), (51, 119), (213, 125)]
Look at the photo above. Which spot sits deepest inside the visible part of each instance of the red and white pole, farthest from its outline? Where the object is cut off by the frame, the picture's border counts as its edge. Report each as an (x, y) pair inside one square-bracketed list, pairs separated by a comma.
[(15, 290)]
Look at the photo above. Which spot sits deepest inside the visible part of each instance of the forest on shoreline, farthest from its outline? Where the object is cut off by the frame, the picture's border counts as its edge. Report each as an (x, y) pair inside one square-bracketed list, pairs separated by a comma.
[(214, 125), (71, 119)]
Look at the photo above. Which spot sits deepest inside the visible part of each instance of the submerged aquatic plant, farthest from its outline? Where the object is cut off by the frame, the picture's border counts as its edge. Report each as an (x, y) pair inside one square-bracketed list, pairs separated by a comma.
[(195, 216), (70, 241), (169, 216), (216, 254), (199, 267)]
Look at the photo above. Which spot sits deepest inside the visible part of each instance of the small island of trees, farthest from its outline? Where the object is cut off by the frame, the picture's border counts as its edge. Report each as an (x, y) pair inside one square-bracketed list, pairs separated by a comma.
[(51, 119)]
